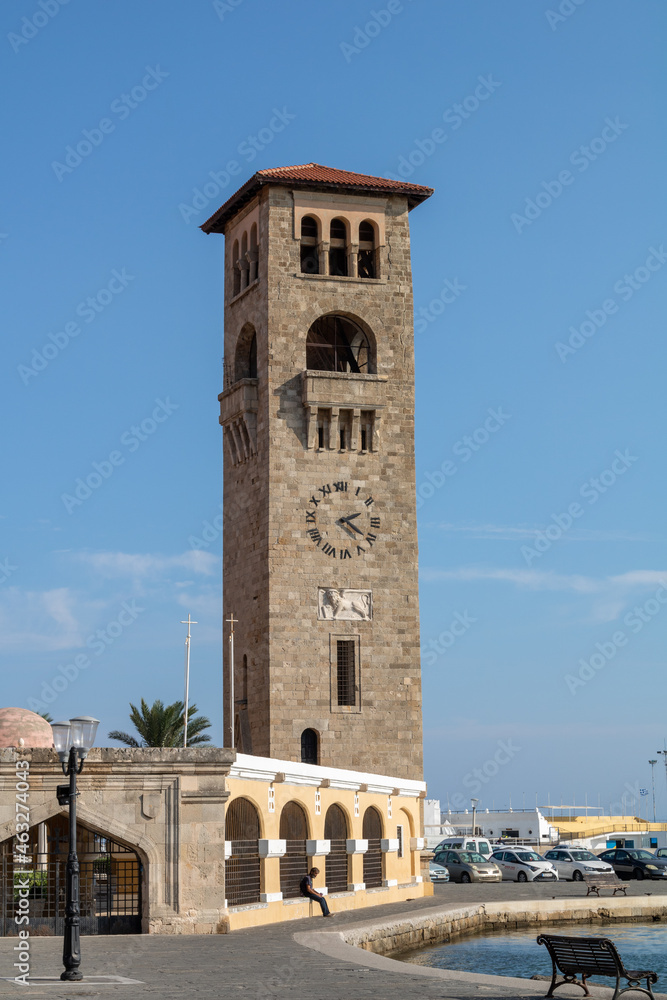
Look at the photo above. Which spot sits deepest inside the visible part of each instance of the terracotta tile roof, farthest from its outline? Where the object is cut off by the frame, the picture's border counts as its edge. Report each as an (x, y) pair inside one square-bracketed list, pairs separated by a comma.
[(316, 177)]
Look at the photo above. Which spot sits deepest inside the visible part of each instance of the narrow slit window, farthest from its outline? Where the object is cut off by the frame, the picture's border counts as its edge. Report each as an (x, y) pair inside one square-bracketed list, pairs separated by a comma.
[(320, 436), (342, 439), (363, 439), (346, 671)]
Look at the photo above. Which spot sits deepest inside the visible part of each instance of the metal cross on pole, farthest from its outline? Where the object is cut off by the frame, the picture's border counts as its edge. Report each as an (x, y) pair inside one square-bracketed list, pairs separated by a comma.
[(232, 622), (189, 622)]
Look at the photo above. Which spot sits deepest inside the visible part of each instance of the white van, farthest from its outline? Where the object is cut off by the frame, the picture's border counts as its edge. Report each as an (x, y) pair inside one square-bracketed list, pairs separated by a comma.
[(479, 844)]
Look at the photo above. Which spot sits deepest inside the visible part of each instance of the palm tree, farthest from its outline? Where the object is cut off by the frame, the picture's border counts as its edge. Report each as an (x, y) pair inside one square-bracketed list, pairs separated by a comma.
[(162, 726)]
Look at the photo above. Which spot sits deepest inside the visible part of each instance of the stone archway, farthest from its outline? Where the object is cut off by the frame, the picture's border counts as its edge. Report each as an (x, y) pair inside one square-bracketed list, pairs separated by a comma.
[(110, 881)]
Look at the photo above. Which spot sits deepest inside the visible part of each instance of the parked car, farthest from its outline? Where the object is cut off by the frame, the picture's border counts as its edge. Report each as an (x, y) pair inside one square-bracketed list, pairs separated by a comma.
[(479, 844), (661, 852), (630, 863), (573, 862), (521, 865), (438, 872), (468, 866)]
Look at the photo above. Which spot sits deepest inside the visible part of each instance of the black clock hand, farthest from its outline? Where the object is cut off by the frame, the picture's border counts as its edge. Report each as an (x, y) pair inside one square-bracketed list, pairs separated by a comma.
[(345, 522)]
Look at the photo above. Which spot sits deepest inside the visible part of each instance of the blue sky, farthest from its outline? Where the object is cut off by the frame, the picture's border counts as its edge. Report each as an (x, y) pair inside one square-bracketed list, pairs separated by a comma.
[(539, 277)]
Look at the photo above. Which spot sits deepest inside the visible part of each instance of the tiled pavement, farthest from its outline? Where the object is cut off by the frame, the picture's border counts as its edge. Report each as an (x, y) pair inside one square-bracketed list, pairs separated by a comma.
[(267, 962)]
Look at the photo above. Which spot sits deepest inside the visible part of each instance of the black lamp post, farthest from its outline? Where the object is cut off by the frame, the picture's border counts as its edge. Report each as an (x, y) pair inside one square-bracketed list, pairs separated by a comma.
[(72, 741)]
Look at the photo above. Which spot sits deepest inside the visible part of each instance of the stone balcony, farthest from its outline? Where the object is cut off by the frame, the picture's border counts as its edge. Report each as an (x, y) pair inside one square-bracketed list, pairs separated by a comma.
[(343, 389), (340, 399), (238, 416)]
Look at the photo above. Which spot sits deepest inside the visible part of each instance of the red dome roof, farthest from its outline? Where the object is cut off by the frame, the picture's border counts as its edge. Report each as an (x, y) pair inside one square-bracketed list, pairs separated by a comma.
[(21, 724)]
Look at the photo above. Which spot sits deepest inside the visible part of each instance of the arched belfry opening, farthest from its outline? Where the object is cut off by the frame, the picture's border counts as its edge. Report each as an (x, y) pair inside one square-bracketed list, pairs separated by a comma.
[(337, 344), (245, 359), (310, 259)]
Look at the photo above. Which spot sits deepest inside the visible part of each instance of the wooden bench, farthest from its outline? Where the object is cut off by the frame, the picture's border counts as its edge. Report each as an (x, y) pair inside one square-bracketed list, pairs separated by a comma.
[(591, 956), (597, 880)]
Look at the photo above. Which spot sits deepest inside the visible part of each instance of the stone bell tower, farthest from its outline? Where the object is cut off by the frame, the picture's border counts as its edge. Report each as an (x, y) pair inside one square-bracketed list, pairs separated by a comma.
[(317, 410)]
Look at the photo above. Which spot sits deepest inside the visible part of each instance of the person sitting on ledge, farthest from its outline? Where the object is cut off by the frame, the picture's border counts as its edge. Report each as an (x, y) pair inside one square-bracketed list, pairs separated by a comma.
[(307, 890)]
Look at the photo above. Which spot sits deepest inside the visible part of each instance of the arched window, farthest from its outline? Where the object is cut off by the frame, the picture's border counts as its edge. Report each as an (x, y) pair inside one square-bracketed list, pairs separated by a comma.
[(242, 872), (236, 282), (336, 861), (253, 254), (294, 863), (252, 357), (366, 261), (338, 248), (244, 679), (309, 747), (372, 832), (246, 353), (310, 258), (244, 261), (337, 344)]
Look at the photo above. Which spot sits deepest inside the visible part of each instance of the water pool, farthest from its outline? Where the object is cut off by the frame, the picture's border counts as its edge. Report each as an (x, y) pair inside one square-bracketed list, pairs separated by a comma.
[(499, 953)]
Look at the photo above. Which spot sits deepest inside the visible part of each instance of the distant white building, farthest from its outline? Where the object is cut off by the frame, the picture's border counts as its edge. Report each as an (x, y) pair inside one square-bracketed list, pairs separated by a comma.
[(519, 824), (434, 828)]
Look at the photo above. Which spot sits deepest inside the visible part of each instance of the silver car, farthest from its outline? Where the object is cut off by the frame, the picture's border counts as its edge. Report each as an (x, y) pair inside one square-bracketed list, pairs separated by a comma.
[(468, 866), (574, 862), (438, 872)]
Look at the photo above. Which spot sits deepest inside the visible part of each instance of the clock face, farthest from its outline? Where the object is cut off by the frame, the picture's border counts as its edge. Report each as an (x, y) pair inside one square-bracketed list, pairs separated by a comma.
[(341, 521)]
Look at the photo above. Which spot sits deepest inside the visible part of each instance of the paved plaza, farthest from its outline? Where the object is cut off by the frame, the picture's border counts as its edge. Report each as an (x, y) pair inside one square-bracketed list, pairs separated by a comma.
[(268, 962)]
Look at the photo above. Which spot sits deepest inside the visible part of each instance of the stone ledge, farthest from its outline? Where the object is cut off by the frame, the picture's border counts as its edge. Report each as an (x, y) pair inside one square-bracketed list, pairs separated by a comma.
[(370, 944)]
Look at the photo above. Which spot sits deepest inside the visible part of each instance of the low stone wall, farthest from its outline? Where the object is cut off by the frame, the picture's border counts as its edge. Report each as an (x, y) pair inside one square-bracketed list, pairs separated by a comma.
[(405, 933)]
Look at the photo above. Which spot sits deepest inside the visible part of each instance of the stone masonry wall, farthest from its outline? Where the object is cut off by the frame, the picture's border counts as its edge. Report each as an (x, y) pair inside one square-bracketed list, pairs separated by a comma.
[(166, 804), (272, 567)]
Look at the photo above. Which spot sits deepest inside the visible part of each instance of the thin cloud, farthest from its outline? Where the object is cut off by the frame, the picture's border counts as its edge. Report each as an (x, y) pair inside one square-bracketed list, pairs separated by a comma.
[(531, 579), (39, 621), (111, 565), (610, 593), (523, 532)]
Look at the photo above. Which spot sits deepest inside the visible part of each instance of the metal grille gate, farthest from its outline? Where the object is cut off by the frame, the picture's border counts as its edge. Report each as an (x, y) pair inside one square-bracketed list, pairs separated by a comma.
[(294, 864), (242, 869), (372, 830), (336, 862), (109, 883)]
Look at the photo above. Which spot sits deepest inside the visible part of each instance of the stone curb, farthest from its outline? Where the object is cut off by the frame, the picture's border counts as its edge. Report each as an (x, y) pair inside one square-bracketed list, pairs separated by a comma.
[(353, 943)]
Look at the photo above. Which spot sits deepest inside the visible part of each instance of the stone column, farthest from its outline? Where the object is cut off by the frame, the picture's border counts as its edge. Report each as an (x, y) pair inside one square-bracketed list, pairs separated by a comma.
[(334, 429), (271, 851), (354, 430), (357, 849), (323, 253), (252, 257), (311, 416), (352, 260)]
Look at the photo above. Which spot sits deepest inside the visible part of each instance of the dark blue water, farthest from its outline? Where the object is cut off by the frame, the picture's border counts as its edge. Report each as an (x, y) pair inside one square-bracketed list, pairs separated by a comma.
[(641, 946)]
